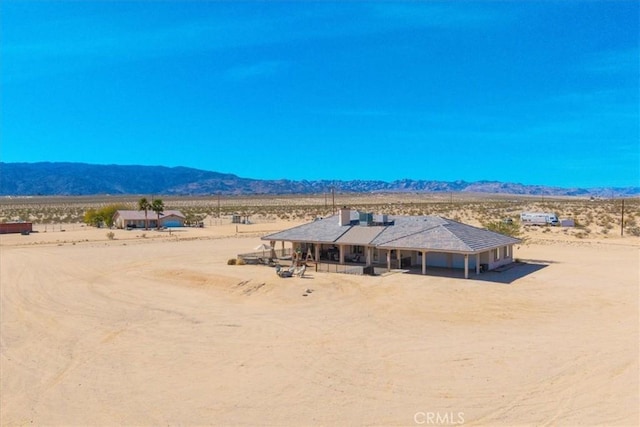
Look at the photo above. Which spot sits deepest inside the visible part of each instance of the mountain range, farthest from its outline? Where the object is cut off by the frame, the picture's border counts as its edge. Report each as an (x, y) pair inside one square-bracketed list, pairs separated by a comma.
[(79, 179)]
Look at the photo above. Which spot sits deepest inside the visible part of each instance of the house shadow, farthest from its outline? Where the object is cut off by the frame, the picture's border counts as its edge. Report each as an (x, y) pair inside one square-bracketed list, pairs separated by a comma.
[(515, 271), (506, 274)]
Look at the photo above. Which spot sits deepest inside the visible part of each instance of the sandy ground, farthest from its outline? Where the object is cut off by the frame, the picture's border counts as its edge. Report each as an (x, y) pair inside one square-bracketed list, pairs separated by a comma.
[(159, 330)]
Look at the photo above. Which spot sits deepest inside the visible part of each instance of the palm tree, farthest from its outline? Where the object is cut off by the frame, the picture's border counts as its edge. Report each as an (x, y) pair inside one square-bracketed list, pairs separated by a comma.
[(158, 207), (144, 205)]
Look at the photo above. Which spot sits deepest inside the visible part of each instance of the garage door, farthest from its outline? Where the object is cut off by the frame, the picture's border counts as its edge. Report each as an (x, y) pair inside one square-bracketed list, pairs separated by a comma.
[(172, 223)]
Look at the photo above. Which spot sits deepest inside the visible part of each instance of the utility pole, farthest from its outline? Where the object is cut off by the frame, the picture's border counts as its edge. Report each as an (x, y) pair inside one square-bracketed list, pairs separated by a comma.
[(622, 220), (333, 198)]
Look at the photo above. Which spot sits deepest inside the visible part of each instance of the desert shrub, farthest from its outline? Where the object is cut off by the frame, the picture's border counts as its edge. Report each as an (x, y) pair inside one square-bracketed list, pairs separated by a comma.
[(508, 229), (231, 261), (240, 261), (634, 231), (91, 217), (581, 235), (111, 235)]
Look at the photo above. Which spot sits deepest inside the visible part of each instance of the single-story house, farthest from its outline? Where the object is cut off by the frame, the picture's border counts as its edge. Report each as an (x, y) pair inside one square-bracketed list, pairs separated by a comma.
[(135, 219), (396, 242)]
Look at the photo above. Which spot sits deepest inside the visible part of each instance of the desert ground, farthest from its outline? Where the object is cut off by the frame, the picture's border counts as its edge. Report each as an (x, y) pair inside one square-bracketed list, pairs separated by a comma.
[(154, 328)]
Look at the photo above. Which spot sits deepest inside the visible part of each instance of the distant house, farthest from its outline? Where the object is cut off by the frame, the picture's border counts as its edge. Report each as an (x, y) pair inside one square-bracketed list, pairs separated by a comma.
[(135, 219), (354, 238)]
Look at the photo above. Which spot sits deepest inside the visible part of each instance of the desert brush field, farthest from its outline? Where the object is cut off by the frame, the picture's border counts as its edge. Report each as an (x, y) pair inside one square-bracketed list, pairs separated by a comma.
[(147, 327)]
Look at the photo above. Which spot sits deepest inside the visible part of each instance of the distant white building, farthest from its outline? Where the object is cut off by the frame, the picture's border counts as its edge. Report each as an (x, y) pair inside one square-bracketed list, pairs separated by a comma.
[(352, 237), (135, 219)]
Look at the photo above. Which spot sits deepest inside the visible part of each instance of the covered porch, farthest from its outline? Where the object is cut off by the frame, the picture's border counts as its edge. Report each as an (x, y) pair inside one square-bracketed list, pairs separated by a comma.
[(369, 259)]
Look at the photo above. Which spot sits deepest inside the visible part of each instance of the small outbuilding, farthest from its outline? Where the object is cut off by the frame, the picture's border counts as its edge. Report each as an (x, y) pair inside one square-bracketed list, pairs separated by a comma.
[(16, 227)]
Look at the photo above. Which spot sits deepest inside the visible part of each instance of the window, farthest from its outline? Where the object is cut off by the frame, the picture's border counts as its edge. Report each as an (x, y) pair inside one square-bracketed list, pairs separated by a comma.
[(496, 254)]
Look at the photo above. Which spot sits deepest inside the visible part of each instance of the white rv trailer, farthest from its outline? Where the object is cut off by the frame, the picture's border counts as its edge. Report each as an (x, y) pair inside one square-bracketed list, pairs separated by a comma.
[(539, 218)]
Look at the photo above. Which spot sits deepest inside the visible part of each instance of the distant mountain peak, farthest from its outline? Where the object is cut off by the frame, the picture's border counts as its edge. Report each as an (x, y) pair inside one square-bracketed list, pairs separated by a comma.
[(78, 179)]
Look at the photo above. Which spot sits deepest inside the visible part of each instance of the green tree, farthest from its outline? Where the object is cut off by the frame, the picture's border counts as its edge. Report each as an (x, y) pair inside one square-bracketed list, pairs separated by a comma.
[(108, 212), (193, 219), (507, 228), (104, 215), (158, 207), (144, 205), (93, 217)]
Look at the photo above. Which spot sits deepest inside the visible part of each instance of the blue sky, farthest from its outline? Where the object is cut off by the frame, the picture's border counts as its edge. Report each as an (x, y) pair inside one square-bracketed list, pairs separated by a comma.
[(537, 92)]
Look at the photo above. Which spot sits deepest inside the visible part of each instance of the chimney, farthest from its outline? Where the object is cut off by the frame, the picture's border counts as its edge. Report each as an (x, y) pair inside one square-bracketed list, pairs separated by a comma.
[(344, 216)]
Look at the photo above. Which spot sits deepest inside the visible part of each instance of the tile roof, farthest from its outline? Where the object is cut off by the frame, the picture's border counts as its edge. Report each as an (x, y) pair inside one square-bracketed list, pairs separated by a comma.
[(360, 236), (326, 230), (407, 232)]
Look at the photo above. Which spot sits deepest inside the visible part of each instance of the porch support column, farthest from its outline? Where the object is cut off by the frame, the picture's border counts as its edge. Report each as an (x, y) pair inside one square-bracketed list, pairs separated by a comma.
[(466, 266), (388, 259), (317, 253), (368, 255), (424, 262), (283, 249), (399, 256), (272, 243), (341, 249), (477, 263)]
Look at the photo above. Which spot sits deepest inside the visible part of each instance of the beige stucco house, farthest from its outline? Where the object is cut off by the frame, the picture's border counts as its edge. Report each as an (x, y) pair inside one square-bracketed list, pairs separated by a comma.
[(357, 238), (135, 219)]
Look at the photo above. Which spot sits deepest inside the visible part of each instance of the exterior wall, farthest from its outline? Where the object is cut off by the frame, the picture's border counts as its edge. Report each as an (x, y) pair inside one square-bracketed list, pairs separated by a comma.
[(16, 227), (136, 223), (503, 256), (434, 259), (172, 221), (447, 260)]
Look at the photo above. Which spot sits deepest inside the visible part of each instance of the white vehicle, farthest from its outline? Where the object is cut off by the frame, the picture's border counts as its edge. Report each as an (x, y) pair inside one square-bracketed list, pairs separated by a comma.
[(539, 218)]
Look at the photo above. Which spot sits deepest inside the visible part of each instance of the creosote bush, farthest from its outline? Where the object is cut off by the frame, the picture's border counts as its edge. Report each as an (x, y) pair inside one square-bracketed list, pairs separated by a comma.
[(231, 261)]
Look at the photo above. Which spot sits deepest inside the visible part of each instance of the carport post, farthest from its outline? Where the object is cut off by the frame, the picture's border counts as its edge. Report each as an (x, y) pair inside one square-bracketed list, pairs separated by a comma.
[(272, 243), (466, 266), (477, 263), (424, 262)]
